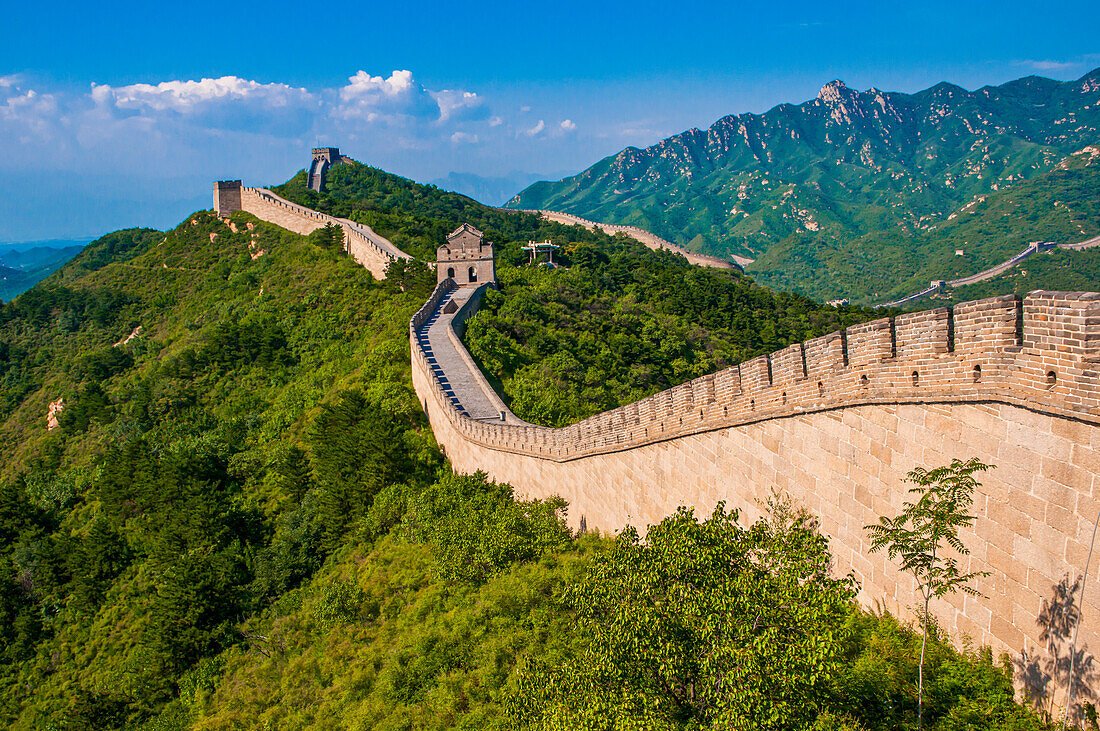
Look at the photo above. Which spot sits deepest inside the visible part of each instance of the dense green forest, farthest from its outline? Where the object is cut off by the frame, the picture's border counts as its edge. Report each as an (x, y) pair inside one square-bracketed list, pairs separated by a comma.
[(243, 519)]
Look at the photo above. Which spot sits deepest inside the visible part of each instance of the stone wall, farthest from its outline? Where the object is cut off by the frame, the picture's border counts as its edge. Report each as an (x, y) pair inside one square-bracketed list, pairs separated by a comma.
[(361, 242), (649, 239), (836, 423)]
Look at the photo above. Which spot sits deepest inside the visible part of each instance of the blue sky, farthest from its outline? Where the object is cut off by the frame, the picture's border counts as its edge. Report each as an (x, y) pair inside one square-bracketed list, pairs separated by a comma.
[(119, 114)]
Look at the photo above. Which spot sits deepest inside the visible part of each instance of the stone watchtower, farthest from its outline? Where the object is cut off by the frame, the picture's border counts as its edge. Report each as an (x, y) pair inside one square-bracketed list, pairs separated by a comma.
[(467, 258), (227, 197), (323, 159)]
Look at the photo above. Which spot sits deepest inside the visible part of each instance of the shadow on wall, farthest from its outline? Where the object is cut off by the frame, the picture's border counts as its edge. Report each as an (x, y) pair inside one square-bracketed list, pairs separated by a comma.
[(1045, 672)]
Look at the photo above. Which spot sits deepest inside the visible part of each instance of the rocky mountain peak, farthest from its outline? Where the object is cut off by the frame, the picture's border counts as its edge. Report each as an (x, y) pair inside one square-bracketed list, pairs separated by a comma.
[(834, 92)]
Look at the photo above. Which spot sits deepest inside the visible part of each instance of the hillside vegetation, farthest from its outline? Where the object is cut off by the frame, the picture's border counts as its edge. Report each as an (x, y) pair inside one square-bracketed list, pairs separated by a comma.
[(853, 194), (243, 520)]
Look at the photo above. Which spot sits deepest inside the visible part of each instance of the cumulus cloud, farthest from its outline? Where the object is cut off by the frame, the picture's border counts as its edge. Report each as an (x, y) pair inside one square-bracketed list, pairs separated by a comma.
[(392, 100), (536, 129), (568, 125), (188, 97), (229, 102), (463, 137), (459, 105)]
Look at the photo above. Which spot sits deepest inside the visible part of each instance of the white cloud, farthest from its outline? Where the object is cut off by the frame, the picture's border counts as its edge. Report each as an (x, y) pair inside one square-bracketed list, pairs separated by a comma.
[(459, 105), (194, 96), (536, 129), (9, 80), (226, 103), (463, 137), (1048, 65), (568, 125), (525, 109), (374, 98), (495, 121)]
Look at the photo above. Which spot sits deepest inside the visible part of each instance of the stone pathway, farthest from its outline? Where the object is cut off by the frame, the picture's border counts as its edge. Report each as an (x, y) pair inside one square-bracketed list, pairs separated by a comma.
[(465, 388)]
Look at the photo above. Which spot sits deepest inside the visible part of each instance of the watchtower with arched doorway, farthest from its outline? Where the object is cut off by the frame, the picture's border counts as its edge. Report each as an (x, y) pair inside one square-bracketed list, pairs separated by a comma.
[(467, 258)]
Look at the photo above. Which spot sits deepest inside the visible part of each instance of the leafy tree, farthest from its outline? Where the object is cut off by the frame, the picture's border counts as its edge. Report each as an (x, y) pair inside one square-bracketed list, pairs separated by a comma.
[(477, 529), (330, 237), (922, 534), (700, 624)]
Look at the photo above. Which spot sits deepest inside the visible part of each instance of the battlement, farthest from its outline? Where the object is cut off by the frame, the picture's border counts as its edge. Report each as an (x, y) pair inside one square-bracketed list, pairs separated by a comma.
[(1040, 353)]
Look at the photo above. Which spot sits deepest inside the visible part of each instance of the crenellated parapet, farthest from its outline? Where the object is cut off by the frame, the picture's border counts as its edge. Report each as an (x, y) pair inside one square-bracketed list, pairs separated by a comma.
[(373, 251), (1039, 353), (835, 424)]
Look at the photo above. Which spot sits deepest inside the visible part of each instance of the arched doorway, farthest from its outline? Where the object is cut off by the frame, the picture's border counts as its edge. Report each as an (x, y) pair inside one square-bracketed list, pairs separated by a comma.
[(451, 272), (473, 274)]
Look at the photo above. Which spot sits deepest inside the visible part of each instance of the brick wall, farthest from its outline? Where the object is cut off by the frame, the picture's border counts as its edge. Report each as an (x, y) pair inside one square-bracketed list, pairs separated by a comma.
[(836, 423), (649, 239), (368, 248)]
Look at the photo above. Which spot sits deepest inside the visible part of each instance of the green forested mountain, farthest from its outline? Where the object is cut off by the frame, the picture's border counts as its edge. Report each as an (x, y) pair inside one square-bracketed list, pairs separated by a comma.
[(851, 194), (242, 519)]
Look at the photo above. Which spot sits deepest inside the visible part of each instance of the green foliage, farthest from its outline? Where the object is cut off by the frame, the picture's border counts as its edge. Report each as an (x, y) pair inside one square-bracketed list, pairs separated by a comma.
[(627, 323), (244, 520), (476, 529), (921, 534), (329, 237), (699, 625), (926, 533)]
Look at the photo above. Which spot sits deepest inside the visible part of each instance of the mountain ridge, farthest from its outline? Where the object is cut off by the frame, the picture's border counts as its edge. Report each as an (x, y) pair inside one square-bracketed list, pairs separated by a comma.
[(844, 165)]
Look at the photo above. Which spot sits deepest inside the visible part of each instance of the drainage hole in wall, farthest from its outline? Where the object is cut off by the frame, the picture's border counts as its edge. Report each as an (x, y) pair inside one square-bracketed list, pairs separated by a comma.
[(752, 404), (1052, 378), (916, 378), (820, 388), (864, 380), (977, 374), (784, 398)]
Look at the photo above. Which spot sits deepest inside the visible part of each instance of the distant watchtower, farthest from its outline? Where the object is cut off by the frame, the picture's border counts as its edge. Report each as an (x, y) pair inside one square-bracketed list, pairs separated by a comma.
[(323, 159), (227, 197), (466, 258)]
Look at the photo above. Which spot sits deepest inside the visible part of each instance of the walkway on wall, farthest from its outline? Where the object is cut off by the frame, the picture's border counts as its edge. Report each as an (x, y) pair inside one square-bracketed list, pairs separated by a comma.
[(459, 376), (648, 238), (995, 270)]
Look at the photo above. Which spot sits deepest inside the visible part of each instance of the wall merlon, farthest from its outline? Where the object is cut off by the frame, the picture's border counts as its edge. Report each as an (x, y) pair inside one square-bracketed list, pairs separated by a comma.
[(992, 324), (870, 342), (756, 374), (1063, 322), (920, 334), (824, 355), (788, 365)]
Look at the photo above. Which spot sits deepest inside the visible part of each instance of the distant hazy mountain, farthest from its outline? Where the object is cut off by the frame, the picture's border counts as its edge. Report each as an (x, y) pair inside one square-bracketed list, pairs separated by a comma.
[(848, 194), (24, 265), (490, 191)]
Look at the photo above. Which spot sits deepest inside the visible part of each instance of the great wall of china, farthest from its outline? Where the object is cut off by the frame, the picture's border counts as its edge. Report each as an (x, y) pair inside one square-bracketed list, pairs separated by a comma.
[(649, 239), (834, 423), (361, 242)]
